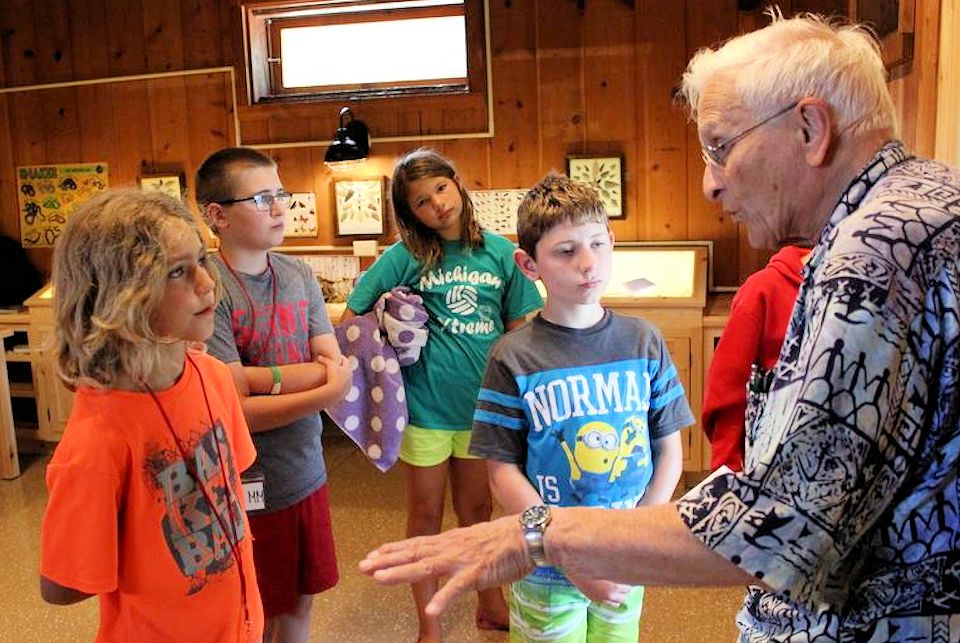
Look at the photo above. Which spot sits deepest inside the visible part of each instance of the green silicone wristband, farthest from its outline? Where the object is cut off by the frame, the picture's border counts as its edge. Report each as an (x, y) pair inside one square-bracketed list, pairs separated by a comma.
[(276, 380)]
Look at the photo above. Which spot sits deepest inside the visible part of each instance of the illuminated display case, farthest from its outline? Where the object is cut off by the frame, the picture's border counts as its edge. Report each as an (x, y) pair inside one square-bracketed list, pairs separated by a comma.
[(673, 276)]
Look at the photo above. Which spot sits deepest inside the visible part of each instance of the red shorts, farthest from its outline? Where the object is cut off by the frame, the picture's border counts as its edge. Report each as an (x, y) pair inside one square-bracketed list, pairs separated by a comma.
[(294, 553)]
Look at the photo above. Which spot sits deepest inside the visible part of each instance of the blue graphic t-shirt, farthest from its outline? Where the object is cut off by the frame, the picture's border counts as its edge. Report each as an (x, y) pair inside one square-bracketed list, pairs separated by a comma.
[(469, 295), (577, 408)]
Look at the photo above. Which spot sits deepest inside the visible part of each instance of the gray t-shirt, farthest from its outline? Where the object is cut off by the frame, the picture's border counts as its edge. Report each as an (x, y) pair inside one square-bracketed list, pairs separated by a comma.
[(268, 319)]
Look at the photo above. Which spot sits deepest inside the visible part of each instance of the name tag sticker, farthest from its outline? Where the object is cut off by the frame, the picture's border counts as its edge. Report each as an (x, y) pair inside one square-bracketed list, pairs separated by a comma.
[(253, 490)]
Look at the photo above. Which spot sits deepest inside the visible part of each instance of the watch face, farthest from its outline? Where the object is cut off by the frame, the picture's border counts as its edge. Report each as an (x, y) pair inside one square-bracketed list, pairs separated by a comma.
[(537, 515)]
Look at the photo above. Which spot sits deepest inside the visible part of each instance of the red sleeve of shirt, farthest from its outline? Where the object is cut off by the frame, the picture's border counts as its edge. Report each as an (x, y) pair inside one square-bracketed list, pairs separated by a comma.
[(724, 401)]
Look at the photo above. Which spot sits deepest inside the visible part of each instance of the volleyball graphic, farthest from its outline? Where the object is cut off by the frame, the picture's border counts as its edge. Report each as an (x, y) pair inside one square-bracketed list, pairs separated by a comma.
[(462, 300)]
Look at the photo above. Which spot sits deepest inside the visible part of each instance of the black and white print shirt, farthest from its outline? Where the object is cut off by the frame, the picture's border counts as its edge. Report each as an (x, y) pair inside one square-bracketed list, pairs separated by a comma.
[(848, 504)]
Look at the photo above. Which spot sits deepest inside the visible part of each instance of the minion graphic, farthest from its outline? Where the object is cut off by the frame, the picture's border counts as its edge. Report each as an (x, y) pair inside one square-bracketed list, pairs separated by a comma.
[(594, 450), (600, 456)]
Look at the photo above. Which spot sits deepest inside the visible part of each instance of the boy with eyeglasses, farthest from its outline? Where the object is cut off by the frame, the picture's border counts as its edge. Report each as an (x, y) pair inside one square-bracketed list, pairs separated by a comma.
[(272, 329)]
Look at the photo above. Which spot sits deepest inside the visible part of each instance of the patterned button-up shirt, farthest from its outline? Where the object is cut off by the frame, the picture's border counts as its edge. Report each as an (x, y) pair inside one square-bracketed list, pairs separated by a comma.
[(848, 504)]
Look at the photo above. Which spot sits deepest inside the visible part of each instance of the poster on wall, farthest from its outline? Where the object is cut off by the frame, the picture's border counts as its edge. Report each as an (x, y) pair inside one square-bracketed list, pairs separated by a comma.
[(47, 194)]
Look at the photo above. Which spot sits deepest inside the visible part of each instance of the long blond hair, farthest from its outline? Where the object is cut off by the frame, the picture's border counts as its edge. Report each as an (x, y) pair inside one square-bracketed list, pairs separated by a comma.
[(109, 274)]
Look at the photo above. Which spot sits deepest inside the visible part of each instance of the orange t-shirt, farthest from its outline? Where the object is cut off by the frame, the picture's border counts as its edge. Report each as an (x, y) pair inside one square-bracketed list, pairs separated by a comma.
[(127, 520)]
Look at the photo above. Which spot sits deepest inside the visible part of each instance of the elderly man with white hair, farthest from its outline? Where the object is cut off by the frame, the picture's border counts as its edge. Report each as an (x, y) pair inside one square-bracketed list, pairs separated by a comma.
[(844, 522)]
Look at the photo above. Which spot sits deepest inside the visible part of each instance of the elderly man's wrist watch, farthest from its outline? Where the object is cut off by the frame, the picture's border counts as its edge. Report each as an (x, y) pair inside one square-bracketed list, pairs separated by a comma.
[(534, 521)]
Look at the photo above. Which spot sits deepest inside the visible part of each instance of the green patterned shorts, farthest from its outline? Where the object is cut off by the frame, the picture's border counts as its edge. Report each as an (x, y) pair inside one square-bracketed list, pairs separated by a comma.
[(541, 610)]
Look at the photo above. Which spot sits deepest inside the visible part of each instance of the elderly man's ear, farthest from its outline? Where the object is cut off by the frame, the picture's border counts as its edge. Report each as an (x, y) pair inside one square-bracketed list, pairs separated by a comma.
[(816, 120)]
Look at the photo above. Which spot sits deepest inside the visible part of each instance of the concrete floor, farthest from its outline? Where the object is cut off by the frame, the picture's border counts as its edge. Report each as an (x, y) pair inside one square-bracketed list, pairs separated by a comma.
[(368, 509)]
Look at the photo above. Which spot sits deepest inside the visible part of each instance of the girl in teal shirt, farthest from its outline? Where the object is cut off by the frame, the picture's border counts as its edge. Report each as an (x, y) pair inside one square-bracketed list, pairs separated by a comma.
[(474, 293)]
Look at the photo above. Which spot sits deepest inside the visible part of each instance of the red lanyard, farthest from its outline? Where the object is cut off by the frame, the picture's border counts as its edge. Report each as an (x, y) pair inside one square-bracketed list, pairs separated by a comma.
[(253, 313), (233, 541)]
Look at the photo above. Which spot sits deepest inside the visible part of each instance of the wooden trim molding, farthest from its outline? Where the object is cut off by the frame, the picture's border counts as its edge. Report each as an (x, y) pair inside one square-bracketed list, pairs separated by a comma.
[(947, 144)]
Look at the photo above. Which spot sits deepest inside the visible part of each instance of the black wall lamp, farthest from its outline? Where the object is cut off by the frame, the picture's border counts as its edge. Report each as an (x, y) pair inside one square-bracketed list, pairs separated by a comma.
[(351, 145)]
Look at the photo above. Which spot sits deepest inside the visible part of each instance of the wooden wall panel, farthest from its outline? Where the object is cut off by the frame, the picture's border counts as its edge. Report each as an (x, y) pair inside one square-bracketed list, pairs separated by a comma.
[(18, 43), (163, 35), (52, 50), (515, 149), (88, 51), (569, 77), (96, 127), (925, 71), (472, 159), (708, 23), (211, 118), (125, 38), (133, 144), (202, 23), (169, 113), (9, 225), (948, 85), (560, 82), (61, 126), (662, 57), (610, 114)]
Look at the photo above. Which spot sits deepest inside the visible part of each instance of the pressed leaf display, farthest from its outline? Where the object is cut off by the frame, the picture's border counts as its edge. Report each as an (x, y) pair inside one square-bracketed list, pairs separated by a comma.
[(605, 174), (359, 206), (496, 210)]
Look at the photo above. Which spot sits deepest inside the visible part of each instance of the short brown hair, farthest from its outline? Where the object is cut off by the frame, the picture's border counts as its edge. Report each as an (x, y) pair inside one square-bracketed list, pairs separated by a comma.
[(554, 200), (216, 175)]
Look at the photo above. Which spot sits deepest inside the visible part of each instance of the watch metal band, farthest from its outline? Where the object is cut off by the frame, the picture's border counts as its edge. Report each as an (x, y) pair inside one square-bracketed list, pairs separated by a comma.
[(533, 521)]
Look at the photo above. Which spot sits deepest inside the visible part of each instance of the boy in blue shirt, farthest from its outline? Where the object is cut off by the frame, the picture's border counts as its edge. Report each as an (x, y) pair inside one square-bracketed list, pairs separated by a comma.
[(581, 406)]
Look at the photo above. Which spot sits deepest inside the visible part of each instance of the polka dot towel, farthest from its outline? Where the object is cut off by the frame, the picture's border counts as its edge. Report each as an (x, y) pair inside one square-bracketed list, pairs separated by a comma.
[(374, 412)]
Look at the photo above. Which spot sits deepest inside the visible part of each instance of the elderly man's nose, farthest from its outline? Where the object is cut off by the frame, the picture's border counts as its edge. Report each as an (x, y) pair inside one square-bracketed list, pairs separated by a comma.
[(712, 189)]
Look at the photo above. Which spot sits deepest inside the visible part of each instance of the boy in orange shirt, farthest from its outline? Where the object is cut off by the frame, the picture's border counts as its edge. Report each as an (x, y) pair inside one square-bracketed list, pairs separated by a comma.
[(146, 508)]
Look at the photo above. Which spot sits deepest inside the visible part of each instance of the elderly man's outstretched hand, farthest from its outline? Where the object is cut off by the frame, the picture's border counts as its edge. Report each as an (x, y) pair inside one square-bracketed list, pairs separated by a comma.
[(484, 555)]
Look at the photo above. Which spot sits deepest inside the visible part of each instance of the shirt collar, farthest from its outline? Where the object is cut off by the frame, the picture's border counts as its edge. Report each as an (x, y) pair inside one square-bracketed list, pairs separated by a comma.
[(893, 153)]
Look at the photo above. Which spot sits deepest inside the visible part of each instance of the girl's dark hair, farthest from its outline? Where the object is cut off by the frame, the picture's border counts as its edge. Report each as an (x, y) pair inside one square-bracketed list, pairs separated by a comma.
[(423, 242)]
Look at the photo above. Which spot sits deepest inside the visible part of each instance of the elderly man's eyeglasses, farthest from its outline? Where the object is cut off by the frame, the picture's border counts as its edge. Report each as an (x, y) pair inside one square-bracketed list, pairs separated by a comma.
[(717, 154), (264, 200)]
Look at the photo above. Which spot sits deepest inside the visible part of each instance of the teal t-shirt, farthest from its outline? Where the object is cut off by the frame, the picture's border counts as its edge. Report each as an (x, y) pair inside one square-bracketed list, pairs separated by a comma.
[(469, 296)]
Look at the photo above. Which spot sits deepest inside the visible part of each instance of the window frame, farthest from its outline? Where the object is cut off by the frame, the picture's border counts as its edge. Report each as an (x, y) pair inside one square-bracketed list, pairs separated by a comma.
[(261, 30)]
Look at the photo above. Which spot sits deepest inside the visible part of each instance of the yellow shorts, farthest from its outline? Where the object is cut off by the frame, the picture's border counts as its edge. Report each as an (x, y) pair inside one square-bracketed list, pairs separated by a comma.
[(430, 447)]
